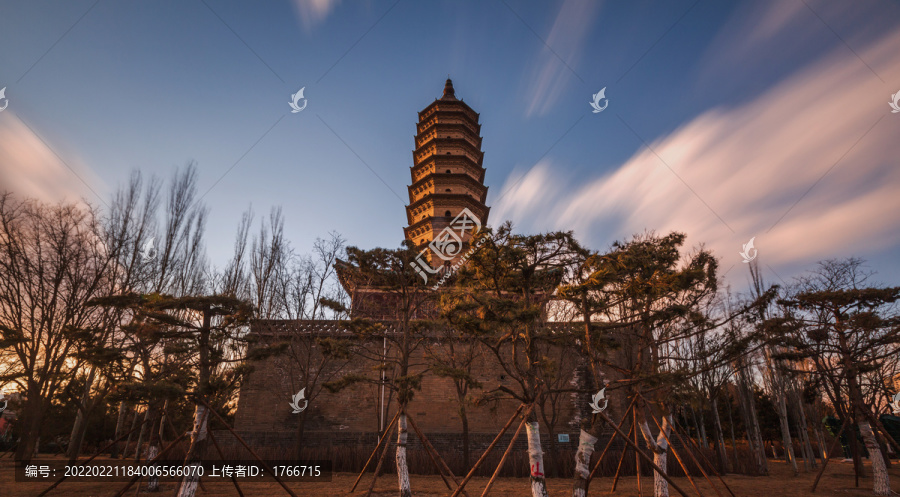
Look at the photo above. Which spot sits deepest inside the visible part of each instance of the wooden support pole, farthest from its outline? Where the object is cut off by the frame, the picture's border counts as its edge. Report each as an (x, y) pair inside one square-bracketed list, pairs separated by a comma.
[(378, 468), (615, 482), (121, 492), (645, 456), (828, 458), (691, 453), (608, 445), (512, 442), (375, 451), (436, 459), (491, 447), (222, 455), (104, 449), (680, 462), (637, 459), (249, 449)]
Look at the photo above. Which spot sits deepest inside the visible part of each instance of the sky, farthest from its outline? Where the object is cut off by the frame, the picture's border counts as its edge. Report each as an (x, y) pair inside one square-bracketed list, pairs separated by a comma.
[(724, 120)]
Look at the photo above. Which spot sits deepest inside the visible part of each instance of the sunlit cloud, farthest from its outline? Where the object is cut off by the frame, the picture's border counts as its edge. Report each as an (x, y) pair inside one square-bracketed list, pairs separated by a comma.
[(549, 75), (29, 168), (312, 12), (750, 164)]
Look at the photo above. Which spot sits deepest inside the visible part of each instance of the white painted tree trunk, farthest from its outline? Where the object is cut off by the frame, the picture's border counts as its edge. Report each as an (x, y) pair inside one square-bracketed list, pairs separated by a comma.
[(198, 437), (153, 480), (402, 468), (660, 448), (586, 443), (882, 483), (536, 460)]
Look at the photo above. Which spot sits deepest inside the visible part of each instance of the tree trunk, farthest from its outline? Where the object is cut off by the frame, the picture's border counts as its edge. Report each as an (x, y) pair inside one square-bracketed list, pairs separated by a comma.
[(882, 484), (703, 429), (79, 427), (786, 440), (720, 437), (586, 442), (733, 439), (120, 425), (402, 468), (194, 456), (464, 418), (140, 440), (535, 457), (153, 445), (32, 420), (660, 448), (301, 426)]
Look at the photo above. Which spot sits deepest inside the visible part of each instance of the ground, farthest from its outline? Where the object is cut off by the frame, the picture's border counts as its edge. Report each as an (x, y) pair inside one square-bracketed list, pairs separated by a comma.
[(837, 480)]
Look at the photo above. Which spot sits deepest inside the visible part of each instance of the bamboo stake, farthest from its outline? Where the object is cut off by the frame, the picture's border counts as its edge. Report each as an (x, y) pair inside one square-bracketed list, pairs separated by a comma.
[(678, 458), (512, 442), (825, 462), (608, 445), (431, 450), (120, 493), (378, 468), (104, 449), (219, 450), (621, 461), (691, 453), (637, 459), (645, 456), (372, 455), (491, 447), (252, 452)]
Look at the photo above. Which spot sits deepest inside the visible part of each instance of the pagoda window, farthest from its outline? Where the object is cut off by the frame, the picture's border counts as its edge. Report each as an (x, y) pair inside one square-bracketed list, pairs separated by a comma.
[(447, 214), (448, 171), (447, 190)]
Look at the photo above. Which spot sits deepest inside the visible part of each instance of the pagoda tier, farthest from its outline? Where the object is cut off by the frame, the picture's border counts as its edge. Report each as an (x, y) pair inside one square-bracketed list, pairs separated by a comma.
[(447, 172)]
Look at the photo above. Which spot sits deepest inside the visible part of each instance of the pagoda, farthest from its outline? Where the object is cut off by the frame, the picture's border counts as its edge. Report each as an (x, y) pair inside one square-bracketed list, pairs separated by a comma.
[(447, 172)]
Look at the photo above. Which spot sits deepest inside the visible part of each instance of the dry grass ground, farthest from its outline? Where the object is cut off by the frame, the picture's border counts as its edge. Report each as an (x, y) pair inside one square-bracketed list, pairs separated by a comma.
[(838, 480)]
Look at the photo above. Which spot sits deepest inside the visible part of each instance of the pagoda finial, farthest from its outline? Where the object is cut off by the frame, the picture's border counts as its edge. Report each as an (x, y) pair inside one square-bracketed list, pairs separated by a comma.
[(449, 94)]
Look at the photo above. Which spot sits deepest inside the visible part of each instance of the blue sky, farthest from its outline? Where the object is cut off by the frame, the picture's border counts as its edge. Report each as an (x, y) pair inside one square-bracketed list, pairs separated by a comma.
[(726, 120)]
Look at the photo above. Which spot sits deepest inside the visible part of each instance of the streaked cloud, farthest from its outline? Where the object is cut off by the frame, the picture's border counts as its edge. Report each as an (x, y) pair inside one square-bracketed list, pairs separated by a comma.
[(750, 164), (549, 75), (312, 12), (29, 169)]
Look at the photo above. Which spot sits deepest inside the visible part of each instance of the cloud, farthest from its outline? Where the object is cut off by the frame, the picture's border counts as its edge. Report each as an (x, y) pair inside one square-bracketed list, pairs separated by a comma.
[(549, 75), (28, 168), (312, 12), (750, 164)]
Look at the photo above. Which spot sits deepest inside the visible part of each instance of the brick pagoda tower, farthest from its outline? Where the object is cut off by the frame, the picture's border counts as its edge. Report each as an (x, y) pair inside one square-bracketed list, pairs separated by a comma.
[(447, 172)]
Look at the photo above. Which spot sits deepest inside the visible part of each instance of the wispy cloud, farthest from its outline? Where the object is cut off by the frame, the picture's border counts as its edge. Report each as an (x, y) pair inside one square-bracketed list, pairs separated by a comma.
[(312, 12), (750, 164), (29, 169), (549, 75)]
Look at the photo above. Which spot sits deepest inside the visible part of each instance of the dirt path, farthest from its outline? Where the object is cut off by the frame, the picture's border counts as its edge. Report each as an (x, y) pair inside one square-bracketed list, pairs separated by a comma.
[(837, 481)]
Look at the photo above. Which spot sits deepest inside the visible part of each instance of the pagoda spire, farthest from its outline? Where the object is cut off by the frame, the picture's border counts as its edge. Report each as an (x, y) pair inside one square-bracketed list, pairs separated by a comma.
[(449, 94)]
